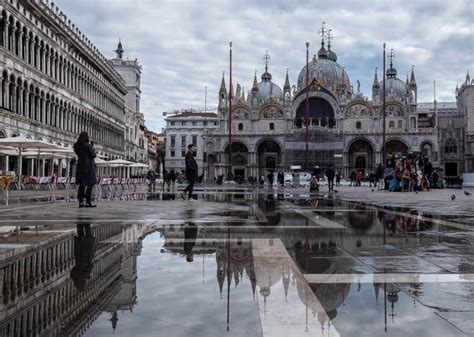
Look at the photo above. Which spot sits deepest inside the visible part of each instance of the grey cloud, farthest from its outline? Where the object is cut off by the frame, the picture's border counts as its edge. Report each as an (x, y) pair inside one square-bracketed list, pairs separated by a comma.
[(183, 45)]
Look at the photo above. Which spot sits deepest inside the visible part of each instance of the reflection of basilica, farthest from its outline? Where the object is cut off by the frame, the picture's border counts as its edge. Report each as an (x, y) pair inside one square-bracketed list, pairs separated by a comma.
[(345, 126), (56, 281)]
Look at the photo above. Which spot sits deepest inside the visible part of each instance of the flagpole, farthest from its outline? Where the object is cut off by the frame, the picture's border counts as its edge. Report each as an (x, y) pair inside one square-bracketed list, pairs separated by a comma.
[(307, 106), (384, 159), (229, 175)]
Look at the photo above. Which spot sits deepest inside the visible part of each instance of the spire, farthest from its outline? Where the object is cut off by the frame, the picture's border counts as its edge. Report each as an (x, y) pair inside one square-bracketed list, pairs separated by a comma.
[(119, 50), (331, 55), (223, 88), (266, 76), (468, 78), (391, 72), (407, 82), (237, 91), (376, 83), (255, 85), (412, 77), (287, 85), (322, 53), (243, 94)]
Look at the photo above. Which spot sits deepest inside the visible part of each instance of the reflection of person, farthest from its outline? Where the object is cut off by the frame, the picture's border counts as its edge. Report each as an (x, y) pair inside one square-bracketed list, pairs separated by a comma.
[(84, 249), (191, 171), (86, 169), (190, 234)]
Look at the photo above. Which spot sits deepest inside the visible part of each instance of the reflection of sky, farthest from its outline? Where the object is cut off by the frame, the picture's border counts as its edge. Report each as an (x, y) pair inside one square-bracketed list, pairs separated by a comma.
[(175, 300), (411, 319)]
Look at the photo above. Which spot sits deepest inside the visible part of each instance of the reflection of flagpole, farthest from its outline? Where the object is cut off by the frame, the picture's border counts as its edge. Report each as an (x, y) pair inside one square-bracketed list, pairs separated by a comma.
[(228, 278), (385, 304), (230, 110), (306, 269)]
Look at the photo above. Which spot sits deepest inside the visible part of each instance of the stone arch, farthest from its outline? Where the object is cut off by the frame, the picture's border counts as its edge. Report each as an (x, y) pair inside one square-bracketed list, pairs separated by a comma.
[(361, 155), (269, 155), (271, 111), (427, 148)]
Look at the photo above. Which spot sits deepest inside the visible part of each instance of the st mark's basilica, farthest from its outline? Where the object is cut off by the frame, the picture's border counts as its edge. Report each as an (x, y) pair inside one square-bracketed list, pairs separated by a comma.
[(345, 127)]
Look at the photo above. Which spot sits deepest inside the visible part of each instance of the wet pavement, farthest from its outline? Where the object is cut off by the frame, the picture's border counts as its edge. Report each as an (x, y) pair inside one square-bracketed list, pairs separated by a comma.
[(235, 262)]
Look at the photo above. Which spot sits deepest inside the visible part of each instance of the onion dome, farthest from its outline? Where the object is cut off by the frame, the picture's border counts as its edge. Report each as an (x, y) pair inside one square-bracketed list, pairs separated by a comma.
[(327, 72), (393, 85)]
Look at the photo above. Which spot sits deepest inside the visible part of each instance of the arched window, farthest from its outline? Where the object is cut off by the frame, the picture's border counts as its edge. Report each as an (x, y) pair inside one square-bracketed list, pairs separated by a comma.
[(272, 126), (241, 126), (358, 125), (451, 146), (391, 125)]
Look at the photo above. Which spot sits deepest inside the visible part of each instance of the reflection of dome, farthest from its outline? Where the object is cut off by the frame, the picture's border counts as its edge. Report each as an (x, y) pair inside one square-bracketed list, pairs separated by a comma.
[(361, 219), (331, 296), (270, 272), (327, 72)]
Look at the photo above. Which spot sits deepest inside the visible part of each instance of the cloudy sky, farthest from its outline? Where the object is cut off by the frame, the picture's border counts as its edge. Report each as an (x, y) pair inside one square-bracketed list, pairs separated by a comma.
[(183, 44)]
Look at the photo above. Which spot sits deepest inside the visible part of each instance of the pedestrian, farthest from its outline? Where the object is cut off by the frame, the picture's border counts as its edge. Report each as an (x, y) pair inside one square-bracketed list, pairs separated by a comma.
[(151, 180), (86, 170), (338, 178), (330, 174), (191, 171), (172, 178), (428, 171), (313, 184), (359, 178), (316, 172), (270, 178), (353, 178), (379, 175), (372, 180)]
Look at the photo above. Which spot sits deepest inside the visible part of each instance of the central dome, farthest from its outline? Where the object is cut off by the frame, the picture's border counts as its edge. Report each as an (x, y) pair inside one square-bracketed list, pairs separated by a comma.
[(327, 72)]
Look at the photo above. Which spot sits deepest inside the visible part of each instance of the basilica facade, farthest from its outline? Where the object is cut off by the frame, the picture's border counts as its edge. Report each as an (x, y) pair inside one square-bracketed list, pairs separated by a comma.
[(345, 127)]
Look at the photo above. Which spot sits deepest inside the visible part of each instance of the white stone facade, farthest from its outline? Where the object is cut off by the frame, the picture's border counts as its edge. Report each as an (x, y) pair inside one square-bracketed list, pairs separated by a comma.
[(184, 128), (55, 84)]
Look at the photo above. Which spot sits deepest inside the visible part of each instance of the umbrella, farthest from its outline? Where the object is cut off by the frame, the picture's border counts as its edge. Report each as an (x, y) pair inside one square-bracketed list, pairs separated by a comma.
[(120, 162), (138, 165), (22, 143), (101, 162)]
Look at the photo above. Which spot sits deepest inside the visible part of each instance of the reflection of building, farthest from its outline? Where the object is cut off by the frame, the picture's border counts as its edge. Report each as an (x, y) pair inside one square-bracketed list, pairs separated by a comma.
[(38, 295), (345, 127)]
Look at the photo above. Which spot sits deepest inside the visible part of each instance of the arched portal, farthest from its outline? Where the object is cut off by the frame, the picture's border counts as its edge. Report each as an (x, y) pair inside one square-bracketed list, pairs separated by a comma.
[(268, 156), (240, 158), (321, 113), (361, 156), (395, 149)]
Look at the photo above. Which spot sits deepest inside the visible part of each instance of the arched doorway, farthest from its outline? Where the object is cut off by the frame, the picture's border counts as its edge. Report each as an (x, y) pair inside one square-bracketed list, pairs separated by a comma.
[(240, 158), (211, 170), (427, 151), (360, 156), (395, 149), (268, 156)]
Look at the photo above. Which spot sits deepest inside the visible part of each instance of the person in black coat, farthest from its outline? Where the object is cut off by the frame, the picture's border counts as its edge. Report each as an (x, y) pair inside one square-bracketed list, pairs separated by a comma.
[(191, 171), (86, 170), (330, 174)]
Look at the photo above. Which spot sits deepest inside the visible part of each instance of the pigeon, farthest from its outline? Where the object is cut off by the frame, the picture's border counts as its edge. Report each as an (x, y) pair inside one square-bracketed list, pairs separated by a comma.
[(416, 192), (372, 190), (467, 193), (453, 197)]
